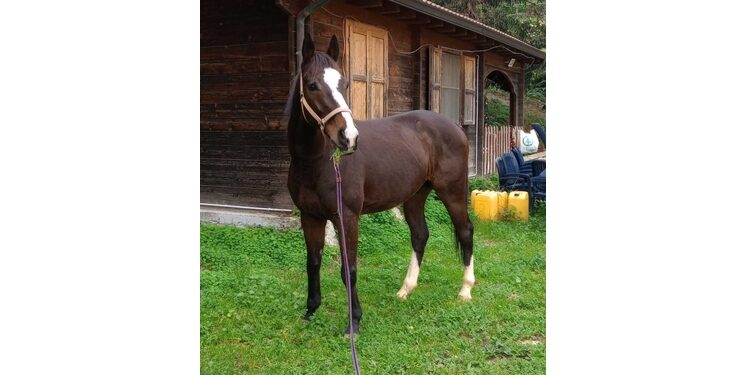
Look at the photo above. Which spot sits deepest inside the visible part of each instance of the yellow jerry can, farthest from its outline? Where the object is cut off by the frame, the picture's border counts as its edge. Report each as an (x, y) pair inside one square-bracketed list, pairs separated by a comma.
[(484, 204), (519, 201), (502, 203), (473, 196)]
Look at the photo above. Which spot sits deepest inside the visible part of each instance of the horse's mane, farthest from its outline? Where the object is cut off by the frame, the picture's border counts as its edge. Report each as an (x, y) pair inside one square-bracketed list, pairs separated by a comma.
[(314, 66), (293, 97)]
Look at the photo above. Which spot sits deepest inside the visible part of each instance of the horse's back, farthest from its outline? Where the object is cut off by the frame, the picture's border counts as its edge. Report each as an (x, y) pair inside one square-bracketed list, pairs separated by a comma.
[(436, 126)]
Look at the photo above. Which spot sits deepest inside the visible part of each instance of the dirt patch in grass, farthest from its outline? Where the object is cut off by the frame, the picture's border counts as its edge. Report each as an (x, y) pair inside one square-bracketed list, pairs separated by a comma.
[(533, 340)]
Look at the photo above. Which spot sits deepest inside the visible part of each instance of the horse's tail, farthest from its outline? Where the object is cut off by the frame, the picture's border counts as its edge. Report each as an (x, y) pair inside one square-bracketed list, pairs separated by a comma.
[(458, 244)]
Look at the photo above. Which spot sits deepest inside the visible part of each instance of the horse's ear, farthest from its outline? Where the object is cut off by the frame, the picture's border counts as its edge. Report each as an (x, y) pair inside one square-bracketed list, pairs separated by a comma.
[(308, 47), (333, 50)]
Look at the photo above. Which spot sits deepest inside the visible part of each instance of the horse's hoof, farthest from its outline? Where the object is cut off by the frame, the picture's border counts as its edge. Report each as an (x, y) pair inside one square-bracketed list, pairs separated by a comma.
[(356, 328), (307, 316), (402, 294), (464, 297)]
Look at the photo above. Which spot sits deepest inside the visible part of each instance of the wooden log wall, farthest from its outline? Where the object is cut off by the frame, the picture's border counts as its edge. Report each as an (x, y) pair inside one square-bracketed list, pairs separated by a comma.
[(244, 83)]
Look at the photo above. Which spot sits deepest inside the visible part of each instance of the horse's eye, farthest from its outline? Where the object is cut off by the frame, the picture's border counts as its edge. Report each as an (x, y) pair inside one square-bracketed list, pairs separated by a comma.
[(313, 87)]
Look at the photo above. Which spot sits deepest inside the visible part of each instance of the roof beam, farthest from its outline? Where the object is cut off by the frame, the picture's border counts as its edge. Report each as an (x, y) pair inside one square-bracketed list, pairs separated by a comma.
[(435, 25), (472, 37), (421, 20), (448, 30), (460, 34), (481, 39), (406, 16), (367, 4), (390, 9)]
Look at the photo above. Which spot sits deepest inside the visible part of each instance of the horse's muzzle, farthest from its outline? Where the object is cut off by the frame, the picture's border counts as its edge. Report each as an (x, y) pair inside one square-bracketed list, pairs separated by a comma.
[(347, 145)]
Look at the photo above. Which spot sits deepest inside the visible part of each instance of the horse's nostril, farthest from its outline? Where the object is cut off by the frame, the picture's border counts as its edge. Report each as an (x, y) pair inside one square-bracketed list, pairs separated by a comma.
[(343, 141)]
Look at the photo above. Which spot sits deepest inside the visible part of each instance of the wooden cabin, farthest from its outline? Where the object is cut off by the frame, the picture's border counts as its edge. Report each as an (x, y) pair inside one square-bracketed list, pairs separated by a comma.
[(400, 55)]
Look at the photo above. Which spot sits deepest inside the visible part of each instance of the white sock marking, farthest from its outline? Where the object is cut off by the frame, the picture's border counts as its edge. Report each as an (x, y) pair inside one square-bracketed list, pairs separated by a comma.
[(469, 280), (331, 78), (410, 281)]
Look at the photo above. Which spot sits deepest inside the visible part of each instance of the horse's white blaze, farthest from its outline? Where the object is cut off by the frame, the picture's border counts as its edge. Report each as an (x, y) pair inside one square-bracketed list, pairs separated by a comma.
[(331, 78), (410, 281), (469, 280)]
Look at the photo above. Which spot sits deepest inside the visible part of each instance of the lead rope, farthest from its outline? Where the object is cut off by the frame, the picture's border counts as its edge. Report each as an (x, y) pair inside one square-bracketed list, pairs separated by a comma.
[(343, 244)]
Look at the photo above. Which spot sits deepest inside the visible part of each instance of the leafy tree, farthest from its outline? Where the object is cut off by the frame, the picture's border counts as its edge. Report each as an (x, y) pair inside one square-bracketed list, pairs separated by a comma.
[(524, 19)]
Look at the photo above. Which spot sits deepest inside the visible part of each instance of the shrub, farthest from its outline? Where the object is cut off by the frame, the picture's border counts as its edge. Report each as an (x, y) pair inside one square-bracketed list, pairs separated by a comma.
[(510, 214), (496, 113), (489, 182)]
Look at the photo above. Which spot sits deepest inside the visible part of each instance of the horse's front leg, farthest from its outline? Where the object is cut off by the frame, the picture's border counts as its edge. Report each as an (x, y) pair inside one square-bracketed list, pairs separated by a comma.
[(351, 226), (313, 231)]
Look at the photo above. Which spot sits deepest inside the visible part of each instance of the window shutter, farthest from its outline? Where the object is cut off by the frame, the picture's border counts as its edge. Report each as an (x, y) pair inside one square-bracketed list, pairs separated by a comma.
[(368, 67), (358, 59), (435, 56), (470, 81), (377, 64)]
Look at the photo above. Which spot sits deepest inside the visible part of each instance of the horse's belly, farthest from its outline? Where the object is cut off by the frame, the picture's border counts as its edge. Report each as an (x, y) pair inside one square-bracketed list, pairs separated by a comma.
[(393, 179), (389, 195)]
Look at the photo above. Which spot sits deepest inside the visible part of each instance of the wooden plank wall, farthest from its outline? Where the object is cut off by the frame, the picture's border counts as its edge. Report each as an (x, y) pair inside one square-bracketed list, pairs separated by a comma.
[(244, 167), (244, 83)]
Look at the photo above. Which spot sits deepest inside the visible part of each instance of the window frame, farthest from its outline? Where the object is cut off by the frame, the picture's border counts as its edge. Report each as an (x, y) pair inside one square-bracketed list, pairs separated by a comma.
[(436, 76)]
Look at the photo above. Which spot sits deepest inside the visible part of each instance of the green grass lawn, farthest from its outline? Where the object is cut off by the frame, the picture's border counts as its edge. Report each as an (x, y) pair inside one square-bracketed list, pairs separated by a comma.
[(253, 294)]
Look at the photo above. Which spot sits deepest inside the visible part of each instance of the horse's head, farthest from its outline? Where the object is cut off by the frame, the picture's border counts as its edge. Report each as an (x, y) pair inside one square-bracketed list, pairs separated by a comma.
[(323, 90)]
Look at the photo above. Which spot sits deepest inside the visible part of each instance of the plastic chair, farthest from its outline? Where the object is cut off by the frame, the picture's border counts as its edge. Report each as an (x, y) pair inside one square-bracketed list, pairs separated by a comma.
[(511, 178), (531, 167)]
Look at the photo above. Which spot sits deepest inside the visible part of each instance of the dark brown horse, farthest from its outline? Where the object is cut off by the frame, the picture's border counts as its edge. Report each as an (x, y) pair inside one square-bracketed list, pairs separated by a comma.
[(393, 160)]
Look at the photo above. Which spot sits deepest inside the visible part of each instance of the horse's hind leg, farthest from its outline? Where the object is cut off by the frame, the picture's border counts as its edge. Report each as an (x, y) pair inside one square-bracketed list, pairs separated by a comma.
[(454, 198), (313, 231), (414, 213)]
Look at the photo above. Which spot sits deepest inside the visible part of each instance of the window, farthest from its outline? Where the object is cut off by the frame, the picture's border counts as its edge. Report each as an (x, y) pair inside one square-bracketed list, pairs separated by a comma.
[(453, 85), (453, 82), (450, 87), (368, 66)]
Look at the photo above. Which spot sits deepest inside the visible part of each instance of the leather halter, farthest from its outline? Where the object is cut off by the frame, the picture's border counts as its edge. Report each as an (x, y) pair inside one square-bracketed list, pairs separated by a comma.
[(307, 107)]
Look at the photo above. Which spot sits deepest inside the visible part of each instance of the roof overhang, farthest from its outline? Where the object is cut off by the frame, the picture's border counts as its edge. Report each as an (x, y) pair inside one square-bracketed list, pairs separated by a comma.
[(444, 14)]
